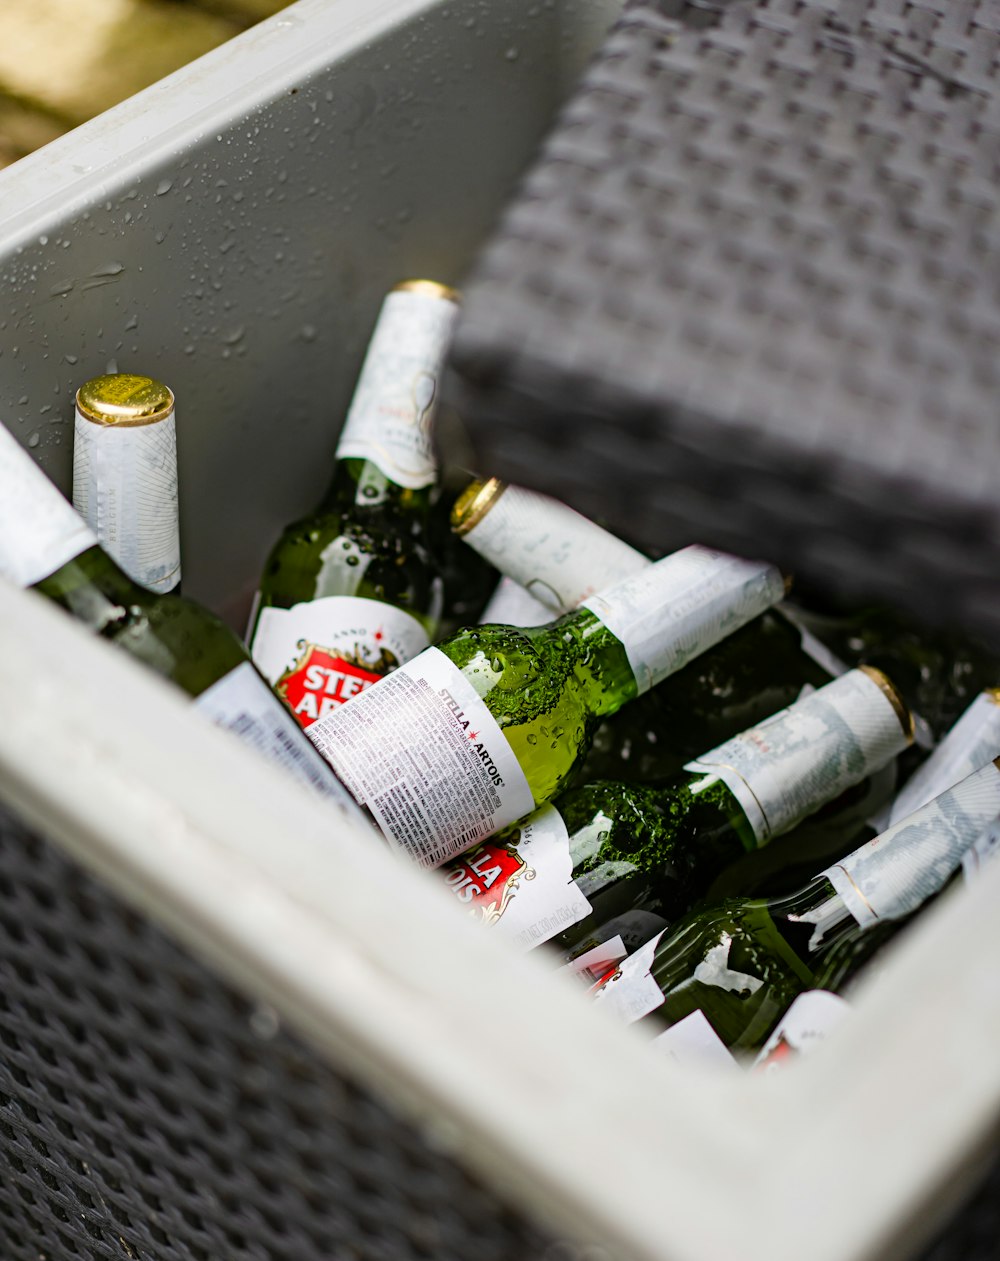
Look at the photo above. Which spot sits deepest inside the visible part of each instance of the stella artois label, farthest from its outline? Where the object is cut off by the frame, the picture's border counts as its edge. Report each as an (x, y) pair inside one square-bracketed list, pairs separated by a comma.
[(320, 654), (241, 702), (630, 992), (897, 871), (39, 531), (810, 1019), (806, 755), (389, 420), (521, 881), (673, 610), (423, 752)]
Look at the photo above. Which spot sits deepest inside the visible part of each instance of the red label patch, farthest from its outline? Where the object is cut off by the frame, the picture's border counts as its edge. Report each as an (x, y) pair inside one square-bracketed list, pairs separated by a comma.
[(322, 680), (487, 877)]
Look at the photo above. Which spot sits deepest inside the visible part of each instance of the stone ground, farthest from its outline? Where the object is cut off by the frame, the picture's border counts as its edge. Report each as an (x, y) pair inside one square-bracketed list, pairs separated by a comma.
[(63, 61)]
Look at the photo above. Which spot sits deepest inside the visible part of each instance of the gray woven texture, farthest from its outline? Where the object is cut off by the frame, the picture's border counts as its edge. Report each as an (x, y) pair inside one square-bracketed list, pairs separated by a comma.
[(149, 1112), (748, 295)]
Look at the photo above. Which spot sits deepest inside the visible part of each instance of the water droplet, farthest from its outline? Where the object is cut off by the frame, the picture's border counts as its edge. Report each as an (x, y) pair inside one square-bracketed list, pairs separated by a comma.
[(237, 334), (70, 358), (164, 187), (264, 1023), (112, 367), (352, 560), (43, 240), (133, 322), (308, 332), (109, 269), (34, 440), (61, 287)]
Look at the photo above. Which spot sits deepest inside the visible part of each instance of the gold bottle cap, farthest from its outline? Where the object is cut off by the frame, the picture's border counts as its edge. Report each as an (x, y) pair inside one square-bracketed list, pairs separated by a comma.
[(888, 688), (474, 503), (993, 694), (124, 400), (429, 288)]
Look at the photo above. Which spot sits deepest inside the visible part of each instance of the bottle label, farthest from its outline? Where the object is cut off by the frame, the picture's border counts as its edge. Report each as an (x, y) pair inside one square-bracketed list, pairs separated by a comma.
[(972, 742), (427, 757), (630, 991), (693, 1041), (806, 755), (125, 488), (810, 1019), (242, 702), (39, 531), (894, 873), (595, 964), (676, 608), (389, 420), (321, 653), (633, 928), (521, 881), (511, 605), (558, 556), (982, 852)]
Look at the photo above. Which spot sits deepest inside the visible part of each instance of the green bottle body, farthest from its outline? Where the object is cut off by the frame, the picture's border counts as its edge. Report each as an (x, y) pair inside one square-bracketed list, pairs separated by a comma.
[(352, 591)]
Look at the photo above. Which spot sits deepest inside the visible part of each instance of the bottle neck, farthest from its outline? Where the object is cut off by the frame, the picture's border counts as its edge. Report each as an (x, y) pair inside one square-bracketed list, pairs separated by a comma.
[(601, 664), (813, 918), (676, 608), (361, 484), (93, 589)]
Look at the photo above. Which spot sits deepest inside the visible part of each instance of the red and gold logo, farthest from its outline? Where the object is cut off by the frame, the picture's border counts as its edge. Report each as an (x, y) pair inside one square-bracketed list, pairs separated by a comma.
[(487, 877), (324, 678)]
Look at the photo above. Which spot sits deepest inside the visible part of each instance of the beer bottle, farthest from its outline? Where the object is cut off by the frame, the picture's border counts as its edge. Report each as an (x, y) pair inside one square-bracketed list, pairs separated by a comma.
[(742, 962), (351, 592), (939, 671), (125, 475), (611, 859), (558, 557), (46, 545), (477, 732)]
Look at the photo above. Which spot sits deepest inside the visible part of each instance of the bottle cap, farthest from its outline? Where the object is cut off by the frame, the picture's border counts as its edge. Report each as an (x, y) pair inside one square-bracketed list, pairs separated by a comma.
[(885, 684), (124, 400), (474, 503), (430, 289)]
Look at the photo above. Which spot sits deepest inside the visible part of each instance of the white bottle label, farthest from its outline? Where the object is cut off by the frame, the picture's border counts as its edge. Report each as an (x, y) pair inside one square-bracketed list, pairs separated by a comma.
[(630, 992), (321, 653), (597, 962), (982, 852), (806, 755), (558, 556), (680, 606), (125, 488), (39, 531), (389, 420), (511, 605), (241, 702), (427, 757), (894, 873), (972, 742), (693, 1041), (521, 881), (810, 1019)]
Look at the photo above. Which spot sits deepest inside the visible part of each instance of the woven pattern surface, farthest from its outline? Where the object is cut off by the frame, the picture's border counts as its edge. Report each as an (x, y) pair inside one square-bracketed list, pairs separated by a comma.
[(748, 295), (148, 1112)]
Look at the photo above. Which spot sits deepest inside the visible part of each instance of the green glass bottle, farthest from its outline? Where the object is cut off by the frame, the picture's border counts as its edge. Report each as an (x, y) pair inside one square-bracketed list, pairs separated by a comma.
[(45, 545), (555, 558), (476, 733), (742, 963), (610, 860), (352, 591)]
